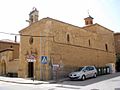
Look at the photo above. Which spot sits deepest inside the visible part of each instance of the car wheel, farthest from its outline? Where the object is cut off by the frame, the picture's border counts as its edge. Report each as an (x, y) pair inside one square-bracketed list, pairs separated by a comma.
[(95, 75), (83, 78)]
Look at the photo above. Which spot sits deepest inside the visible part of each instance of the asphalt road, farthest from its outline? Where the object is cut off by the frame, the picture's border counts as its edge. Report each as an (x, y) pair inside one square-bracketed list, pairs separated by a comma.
[(105, 82), (91, 80)]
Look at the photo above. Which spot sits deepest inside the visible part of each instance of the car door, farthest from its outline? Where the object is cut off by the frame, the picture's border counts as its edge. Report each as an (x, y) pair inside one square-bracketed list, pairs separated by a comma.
[(87, 72), (91, 70)]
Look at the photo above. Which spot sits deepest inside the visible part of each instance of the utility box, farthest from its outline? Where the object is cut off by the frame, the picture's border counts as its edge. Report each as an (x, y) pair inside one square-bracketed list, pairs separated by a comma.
[(111, 67)]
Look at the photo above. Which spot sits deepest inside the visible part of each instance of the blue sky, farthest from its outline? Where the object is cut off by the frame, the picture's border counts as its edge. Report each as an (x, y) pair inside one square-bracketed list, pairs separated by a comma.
[(13, 13)]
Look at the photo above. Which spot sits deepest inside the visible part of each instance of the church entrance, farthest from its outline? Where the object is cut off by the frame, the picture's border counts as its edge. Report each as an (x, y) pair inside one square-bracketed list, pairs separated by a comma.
[(30, 69)]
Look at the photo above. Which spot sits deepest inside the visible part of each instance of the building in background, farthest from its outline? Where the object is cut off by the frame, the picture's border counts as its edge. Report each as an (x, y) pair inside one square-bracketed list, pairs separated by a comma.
[(48, 44), (117, 43), (117, 50), (9, 57)]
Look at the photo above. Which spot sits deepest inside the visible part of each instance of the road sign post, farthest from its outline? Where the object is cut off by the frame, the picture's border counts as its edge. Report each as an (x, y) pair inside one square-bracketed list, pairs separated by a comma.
[(44, 60)]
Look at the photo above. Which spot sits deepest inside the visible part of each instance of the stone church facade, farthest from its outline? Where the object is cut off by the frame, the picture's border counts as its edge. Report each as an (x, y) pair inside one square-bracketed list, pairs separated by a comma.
[(62, 45)]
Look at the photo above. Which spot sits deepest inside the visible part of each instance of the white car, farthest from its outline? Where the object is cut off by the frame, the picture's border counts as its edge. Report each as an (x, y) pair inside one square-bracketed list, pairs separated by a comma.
[(83, 73)]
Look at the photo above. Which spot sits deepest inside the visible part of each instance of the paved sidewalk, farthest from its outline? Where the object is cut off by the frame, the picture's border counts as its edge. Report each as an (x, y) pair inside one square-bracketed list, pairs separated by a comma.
[(23, 80), (28, 81)]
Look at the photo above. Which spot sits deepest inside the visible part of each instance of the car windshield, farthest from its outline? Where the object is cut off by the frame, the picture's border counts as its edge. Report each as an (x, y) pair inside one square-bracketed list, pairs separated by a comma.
[(80, 68)]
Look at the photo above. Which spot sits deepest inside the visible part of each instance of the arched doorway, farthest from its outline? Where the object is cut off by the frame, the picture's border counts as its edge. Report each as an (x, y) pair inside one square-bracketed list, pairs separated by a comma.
[(3, 66)]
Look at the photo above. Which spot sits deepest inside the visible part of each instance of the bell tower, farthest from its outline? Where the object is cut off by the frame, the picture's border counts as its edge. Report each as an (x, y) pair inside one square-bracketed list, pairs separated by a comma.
[(33, 16), (88, 20)]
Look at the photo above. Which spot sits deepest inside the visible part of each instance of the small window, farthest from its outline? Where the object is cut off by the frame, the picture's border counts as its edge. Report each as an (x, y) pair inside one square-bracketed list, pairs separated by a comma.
[(86, 22), (11, 46), (31, 18), (91, 22), (68, 38), (89, 42), (106, 47), (31, 40)]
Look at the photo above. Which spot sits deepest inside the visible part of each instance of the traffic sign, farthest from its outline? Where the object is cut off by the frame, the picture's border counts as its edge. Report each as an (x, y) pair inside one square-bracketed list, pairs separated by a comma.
[(31, 58), (44, 59)]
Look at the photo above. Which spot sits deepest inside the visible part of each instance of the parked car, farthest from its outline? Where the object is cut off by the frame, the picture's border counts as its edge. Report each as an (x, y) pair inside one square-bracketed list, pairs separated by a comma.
[(83, 73)]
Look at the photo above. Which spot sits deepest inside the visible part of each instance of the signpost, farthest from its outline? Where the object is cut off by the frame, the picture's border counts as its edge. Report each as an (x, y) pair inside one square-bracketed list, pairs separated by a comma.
[(44, 60)]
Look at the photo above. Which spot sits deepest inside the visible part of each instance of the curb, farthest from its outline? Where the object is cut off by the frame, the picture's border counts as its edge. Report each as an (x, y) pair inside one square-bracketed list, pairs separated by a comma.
[(35, 83), (23, 82), (51, 82)]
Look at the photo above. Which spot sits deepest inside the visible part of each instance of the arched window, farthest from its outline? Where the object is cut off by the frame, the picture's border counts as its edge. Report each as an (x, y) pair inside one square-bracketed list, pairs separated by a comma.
[(11, 46), (89, 42), (91, 22), (68, 38), (86, 22), (31, 40), (31, 18), (106, 47)]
